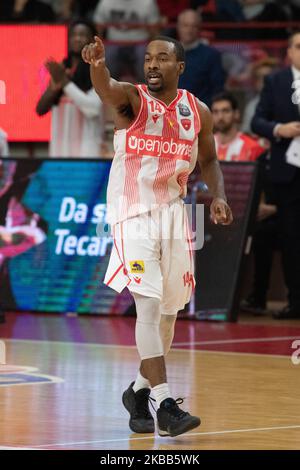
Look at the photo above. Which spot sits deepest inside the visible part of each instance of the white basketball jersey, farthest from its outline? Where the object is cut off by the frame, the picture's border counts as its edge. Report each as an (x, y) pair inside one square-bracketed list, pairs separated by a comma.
[(154, 156)]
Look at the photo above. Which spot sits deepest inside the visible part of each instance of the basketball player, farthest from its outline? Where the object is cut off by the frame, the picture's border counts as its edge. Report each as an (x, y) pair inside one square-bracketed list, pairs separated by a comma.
[(160, 132)]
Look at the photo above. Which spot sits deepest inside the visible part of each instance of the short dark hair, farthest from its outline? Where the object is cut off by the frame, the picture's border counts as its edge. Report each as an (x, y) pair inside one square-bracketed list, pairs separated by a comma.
[(179, 50), (86, 23), (291, 36), (226, 96)]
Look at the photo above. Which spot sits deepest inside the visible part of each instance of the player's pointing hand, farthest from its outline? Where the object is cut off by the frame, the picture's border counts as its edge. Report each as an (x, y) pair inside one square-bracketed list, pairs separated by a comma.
[(94, 53)]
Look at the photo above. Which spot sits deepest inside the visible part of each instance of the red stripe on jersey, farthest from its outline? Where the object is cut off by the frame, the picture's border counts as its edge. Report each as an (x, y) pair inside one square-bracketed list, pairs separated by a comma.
[(133, 162), (122, 258), (188, 237), (114, 275), (182, 180), (122, 244), (142, 115), (116, 246), (166, 166), (131, 190), (193, 283), (123, 252), (197, 121)]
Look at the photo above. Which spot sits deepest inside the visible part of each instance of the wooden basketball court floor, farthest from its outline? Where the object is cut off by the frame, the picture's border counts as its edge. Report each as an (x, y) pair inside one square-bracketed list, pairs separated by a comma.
[(64, 376)]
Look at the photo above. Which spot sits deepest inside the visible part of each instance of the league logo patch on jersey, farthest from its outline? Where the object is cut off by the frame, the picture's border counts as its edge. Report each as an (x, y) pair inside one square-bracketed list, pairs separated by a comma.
[(137, 266), (184, 110), (186, 124)]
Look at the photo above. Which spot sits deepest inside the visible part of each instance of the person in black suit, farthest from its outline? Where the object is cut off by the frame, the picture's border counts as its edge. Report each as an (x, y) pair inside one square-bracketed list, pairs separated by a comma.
[(278, 119)]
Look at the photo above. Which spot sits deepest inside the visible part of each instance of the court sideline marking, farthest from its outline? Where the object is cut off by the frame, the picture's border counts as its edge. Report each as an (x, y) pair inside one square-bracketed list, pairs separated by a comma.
[(210, 433), (99, 345), (187, 343), (241, 340)]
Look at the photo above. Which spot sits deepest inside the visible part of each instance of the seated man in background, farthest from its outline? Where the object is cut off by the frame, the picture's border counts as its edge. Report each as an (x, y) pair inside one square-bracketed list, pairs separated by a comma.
[(231, 144), (77, 125)]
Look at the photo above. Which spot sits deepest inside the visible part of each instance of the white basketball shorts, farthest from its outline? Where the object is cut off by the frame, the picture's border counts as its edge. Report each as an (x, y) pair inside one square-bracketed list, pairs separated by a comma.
[(152, 256)]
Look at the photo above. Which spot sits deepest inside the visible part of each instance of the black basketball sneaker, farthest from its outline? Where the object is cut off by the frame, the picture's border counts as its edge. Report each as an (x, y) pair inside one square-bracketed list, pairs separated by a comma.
[(173, 421), (137, 405)]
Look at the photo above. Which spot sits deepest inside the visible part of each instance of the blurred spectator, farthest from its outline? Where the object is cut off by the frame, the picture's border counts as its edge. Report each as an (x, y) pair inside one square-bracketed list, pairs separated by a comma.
[(67, 10), (56, 5), (231, 145), (238, 60), (170, 10), (207, 8), (292, 8), (203, 75), (250, 10), (263, 11), (82, 9), (4, 151), (260, 70), (77, 112), (277, 118), (26, 11), (229, 10), (131, 40)]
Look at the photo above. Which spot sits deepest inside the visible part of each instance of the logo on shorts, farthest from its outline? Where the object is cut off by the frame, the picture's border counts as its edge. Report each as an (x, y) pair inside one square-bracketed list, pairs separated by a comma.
[(188, 279), (137, 266), (137, 279)]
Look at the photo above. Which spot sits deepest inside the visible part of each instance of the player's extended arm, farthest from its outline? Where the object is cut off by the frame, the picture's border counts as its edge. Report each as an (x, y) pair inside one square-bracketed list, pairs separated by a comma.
[(210, 169), (110, 91)]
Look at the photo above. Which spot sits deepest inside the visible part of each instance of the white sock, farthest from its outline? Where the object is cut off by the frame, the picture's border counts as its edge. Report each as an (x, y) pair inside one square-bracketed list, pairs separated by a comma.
[(161, 392), (140, 382)]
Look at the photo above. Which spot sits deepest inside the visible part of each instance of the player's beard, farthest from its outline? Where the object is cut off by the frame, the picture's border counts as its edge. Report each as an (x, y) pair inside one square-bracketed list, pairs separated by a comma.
[(155, 88)]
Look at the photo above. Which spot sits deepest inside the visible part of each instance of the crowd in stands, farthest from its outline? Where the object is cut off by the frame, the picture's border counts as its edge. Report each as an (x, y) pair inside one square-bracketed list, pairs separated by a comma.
[(126, 26), (61, 11)]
